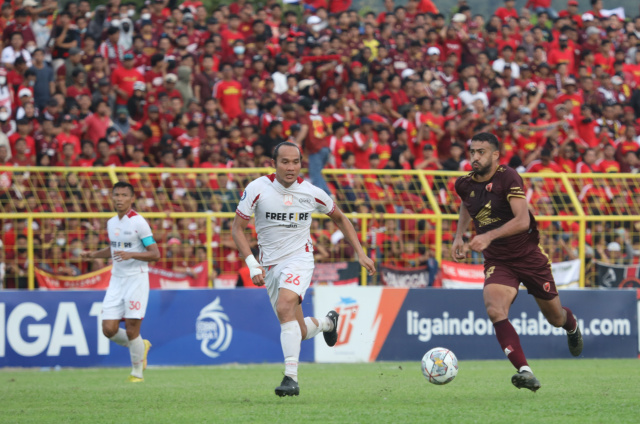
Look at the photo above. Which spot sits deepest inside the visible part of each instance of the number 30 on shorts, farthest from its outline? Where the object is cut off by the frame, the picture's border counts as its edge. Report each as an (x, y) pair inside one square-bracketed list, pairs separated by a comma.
[(133, 305), (291, 280)]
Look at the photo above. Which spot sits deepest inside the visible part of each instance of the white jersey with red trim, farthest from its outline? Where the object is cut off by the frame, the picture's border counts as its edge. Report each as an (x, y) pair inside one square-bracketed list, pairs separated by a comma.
[(283, 216), (127, 234)]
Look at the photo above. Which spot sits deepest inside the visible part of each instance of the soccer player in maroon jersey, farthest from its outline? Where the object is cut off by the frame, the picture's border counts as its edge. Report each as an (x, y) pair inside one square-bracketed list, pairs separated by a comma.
[(493, 196)]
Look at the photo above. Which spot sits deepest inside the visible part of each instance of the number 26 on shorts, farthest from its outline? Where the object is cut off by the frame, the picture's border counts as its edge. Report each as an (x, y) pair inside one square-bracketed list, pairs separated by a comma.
[(291, 280)]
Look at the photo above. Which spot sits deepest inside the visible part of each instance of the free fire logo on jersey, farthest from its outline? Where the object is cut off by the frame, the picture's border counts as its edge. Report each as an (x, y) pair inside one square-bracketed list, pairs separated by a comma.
[(213, 329)]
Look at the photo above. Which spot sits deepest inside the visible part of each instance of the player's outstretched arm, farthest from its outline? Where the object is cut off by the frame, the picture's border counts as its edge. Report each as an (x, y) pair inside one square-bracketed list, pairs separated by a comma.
[(237, 232), (458, 249), (102, 253), (349, 232)]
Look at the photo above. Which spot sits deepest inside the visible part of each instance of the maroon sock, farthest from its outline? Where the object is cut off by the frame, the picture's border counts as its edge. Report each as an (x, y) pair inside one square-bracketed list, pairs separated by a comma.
[(510, 343), (571, 324)]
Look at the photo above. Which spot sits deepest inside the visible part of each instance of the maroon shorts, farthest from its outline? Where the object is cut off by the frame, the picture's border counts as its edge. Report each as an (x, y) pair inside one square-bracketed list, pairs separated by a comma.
[(534, 271)]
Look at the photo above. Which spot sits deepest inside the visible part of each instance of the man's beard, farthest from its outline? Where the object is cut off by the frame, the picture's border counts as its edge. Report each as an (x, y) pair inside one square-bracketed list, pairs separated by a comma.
[(484, 170)]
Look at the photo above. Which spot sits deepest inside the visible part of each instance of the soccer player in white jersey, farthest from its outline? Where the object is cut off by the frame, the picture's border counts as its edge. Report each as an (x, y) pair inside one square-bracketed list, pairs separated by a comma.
[(132, 247), (283, 203)]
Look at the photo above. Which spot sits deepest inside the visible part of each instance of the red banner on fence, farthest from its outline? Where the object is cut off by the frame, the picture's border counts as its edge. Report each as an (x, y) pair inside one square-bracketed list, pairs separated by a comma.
[(462, 276), (159, 278), (97, 280)]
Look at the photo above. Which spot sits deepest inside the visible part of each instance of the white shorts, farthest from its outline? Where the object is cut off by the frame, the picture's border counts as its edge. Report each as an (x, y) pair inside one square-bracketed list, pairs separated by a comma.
[(293, 274), (126, 297)]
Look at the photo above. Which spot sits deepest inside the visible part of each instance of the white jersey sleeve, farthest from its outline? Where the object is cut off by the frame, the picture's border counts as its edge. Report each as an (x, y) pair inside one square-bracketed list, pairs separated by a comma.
[(248, 200), (324, 202), (143, 229)]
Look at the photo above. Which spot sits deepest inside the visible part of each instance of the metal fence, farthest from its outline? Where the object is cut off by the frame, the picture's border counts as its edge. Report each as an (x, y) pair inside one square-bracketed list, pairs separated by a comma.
[(403, 218)]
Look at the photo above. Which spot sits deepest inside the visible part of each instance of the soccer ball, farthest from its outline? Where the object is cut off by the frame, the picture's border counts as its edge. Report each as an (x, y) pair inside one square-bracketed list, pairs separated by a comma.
[(439, 365)]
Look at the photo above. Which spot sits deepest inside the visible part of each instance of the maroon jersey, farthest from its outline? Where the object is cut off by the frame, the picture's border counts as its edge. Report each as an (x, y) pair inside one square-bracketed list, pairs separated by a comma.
[(488, 205)]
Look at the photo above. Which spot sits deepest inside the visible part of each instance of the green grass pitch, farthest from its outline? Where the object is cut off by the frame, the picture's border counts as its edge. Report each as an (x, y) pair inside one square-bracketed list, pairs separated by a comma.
[(573, 391)]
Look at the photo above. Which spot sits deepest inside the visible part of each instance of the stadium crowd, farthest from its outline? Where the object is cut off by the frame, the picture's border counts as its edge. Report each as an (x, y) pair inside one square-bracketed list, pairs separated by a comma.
[(173, 85)]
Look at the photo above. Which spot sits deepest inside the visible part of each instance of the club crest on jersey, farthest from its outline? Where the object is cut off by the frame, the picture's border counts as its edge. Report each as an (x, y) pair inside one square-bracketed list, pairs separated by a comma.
[(116, 232), (288, 199), (489, 187)]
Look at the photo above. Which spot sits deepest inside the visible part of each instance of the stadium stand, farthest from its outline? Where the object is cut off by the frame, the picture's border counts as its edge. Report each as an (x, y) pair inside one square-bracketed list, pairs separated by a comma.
[(187, 105)]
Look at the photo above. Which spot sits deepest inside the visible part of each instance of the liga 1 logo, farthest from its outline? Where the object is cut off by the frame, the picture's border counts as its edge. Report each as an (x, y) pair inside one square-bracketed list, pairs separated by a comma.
[(348, 310), (213, 329)]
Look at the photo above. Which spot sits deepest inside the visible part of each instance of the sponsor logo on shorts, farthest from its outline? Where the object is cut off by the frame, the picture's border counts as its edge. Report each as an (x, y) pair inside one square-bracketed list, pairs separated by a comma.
[(213, 329), (546, 286)]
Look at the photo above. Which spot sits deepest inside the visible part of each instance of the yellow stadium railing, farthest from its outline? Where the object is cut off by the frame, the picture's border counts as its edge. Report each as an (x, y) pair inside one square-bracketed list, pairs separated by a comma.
[(419, 208)]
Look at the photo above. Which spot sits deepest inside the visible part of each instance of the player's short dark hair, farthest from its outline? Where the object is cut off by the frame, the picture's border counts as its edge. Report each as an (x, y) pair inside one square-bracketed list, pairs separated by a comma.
[(123, 184), (285, 143), (489, 138)]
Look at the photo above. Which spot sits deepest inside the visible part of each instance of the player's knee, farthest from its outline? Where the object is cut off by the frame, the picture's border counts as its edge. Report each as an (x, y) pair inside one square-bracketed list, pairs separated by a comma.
[(132, 333), (285, 312), (497, 313), (109, 331)]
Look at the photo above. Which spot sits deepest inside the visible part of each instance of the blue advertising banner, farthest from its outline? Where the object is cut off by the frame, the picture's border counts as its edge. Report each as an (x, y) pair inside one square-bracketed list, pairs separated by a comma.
[(186, 327), (456, 319)]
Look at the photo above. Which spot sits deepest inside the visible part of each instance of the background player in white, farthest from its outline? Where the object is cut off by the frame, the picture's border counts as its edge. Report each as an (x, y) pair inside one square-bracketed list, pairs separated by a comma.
[(132, 247), (283, 203)]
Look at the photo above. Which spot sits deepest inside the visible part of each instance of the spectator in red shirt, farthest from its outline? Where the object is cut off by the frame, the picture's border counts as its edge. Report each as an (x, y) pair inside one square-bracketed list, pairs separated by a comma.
[(20, 25), (95, 126), (395, 92), (508, 11), (19, 157), (88, 155), (79, 87), (608, 163), (123, 78), (228, 93), (231, 33), (23, 131), (105, 155), (65, 136), (562, 55)]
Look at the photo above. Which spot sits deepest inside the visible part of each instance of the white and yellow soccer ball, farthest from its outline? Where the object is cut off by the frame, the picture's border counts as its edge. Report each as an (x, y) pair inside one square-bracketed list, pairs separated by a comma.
[(439, 365)]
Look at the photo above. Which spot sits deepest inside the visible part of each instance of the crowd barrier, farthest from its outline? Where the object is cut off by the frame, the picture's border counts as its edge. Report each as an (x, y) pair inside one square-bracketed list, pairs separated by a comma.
[(186, 327), (384, 324), (403, 218), (207, 327)]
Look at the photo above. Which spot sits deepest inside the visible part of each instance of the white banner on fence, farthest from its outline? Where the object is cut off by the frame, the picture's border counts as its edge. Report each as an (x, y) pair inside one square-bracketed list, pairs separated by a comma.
[(566, 274), (463, 276)]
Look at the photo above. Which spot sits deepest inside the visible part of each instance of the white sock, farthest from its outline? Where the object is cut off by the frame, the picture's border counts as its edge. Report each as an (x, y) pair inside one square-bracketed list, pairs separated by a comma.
[(525, 368), (312, 329), (136, 349), (121, 337), (290, 338), (325, 324)]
